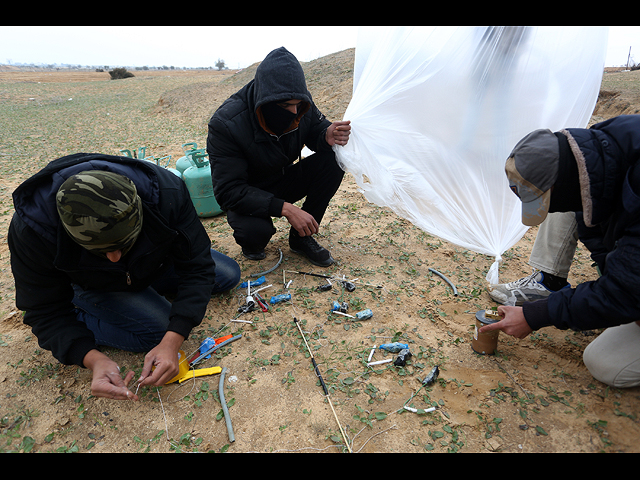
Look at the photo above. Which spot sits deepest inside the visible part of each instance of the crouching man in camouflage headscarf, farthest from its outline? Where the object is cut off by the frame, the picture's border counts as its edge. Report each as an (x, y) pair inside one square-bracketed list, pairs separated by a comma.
[(96, 241)]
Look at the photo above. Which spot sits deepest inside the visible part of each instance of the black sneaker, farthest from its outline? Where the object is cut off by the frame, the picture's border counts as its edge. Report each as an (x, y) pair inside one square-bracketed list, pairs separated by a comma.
[(308, 247), (260, 255)]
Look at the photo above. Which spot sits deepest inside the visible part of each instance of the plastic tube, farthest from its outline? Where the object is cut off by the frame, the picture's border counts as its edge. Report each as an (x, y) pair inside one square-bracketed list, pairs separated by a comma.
[(455, 290), (271, 269), (227, 417)]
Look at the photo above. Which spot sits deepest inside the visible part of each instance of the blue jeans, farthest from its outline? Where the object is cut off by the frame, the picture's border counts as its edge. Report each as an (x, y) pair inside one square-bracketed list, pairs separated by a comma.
[(137, 321)]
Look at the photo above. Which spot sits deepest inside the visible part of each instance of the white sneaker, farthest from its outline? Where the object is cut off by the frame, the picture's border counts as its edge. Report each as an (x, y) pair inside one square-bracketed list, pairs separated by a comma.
[(526, 289)]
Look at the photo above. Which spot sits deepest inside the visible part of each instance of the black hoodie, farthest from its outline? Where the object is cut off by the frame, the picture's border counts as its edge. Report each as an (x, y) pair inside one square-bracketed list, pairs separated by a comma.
[(245, 155)]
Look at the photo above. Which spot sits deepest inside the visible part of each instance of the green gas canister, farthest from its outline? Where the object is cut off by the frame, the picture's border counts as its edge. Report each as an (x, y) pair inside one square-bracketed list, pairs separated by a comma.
[(198, 180), (185, 162)]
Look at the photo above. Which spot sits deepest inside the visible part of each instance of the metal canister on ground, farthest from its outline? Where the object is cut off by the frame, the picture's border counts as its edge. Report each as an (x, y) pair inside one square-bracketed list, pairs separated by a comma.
[(484, 343)]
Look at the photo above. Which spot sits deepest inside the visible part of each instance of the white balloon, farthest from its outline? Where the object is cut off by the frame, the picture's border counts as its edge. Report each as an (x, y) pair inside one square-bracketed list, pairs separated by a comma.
[(436, 111)]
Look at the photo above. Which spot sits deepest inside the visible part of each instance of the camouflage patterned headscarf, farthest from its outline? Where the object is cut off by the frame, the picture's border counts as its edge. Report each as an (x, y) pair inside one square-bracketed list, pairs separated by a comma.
[(100, 211)]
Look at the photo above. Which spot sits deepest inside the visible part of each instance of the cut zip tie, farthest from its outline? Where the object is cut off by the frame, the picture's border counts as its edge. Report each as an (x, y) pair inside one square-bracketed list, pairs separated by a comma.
[(371, 353)]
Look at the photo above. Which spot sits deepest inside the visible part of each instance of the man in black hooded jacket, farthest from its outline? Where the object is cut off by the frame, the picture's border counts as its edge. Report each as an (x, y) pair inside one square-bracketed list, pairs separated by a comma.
[(594, 172), (96, 242), (254, 140)]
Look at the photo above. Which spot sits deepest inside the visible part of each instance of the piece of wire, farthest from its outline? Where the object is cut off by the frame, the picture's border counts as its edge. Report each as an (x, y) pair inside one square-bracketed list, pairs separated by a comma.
[(271, 269)]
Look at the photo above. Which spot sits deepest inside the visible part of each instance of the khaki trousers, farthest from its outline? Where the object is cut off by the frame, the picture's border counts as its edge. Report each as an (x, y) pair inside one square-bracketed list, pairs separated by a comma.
[(614, 357)]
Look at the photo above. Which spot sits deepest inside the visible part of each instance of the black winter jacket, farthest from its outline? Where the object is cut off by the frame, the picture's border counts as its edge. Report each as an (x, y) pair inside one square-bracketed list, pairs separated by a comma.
[(46, 262), (245, 156), (608, 159)]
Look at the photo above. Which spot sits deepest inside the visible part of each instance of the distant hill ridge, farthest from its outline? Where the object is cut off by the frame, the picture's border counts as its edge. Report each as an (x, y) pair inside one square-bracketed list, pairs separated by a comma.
[(329, 79)]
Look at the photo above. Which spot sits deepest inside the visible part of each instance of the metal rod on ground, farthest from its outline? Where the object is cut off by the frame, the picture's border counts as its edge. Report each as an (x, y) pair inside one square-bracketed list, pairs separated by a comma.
[(307, 273), (324, 387)]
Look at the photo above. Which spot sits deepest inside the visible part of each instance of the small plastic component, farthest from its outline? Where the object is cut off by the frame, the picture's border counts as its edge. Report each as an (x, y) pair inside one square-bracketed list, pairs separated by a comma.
[(280, 298), (348, 286), (253, 283), (432, 377), (394, 347), (364, 314), (403, 356), (340, 307)]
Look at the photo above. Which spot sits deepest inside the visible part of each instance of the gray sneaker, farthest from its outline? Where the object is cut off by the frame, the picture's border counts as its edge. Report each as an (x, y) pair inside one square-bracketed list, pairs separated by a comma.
[(526, 289)]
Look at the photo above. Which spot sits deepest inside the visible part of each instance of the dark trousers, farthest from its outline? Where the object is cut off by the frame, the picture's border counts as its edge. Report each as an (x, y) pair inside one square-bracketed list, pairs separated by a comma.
[(137, 321), (316, 177)]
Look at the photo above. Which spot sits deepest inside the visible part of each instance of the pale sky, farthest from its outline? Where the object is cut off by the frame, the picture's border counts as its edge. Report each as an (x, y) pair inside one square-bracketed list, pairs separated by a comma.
[(179, 46), (202, 46)]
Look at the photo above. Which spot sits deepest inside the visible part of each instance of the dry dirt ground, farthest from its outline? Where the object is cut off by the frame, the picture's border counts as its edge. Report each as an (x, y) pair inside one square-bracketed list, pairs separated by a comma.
[(534, 395)]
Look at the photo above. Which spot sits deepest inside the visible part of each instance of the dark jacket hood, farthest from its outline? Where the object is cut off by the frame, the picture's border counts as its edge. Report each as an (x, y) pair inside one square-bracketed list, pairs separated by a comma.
[(603, 155), (280, 77), (34, 199)]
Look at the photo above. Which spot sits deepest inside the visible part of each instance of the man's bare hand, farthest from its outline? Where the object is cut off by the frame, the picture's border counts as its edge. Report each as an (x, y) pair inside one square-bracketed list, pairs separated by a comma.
[(161, 364), (303, 222), (338, 133), (513, 322), (107, 381)]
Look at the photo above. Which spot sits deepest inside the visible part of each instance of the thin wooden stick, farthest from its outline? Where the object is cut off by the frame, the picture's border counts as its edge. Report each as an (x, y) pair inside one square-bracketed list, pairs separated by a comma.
[(324, 387)]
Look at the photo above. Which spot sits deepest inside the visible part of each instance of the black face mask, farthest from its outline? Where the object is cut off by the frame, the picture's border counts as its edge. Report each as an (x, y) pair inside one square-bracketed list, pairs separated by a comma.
[(277, 118)]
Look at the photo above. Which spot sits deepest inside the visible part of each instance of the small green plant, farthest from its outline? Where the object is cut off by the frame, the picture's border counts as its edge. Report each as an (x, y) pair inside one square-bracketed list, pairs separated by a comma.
[(146, 444), (186, 442), (10, 428)]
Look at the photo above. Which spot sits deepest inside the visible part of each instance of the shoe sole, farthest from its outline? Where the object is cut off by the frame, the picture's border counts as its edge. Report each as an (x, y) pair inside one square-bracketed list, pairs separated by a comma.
[(254, 256)]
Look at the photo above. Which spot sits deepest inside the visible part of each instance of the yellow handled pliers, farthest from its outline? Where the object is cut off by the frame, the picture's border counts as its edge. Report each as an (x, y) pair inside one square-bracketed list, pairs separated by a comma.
[(199, 373)]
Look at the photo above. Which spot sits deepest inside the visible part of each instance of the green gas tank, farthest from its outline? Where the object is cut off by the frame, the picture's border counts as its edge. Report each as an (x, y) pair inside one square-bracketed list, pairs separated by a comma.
[(166, 165), (184, 162), (198, 180)]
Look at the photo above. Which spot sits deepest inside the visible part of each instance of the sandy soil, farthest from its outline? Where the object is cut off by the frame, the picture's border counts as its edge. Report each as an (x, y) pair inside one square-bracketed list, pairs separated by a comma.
[(534, 395)]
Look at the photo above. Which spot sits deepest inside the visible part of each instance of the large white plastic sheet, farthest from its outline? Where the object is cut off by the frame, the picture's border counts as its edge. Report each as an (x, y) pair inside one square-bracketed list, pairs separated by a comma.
[(436, 111)]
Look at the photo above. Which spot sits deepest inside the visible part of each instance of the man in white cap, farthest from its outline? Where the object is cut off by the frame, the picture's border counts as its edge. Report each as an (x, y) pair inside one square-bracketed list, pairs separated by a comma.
[(595, 173)]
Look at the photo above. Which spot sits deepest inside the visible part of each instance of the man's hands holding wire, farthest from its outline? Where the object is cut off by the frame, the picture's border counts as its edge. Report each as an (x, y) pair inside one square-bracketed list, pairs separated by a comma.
[(160, 366), (107, 381)]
